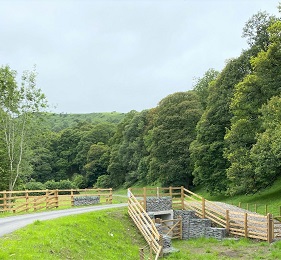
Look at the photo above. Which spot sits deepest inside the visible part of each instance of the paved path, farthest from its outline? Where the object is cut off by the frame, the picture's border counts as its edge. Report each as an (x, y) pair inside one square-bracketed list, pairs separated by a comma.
[(10, 224)]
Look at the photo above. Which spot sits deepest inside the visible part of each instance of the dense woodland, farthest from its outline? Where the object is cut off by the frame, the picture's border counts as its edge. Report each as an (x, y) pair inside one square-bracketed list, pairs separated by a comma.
[(225, 134)]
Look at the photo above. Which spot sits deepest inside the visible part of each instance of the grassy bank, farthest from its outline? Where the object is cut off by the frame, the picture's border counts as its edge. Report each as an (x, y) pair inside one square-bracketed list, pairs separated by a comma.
[(269, 196), (97, 235), (111, 235), (212, 249)]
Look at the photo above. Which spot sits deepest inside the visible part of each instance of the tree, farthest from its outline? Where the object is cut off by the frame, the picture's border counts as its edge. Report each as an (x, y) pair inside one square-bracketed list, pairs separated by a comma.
[(97, 162), (116, 168), (256, 30), (207, 149), (266, 153), (202, 85), (17, 107), (94, 134), (171, 136), (250, 94)]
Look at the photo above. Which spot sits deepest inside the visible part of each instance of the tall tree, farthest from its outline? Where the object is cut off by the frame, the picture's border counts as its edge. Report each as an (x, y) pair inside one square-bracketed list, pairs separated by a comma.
[(266, 153), (17, 107), (202, 85), (254, 91), (173, 131), (97, 162), (117, 169), (207, 150)]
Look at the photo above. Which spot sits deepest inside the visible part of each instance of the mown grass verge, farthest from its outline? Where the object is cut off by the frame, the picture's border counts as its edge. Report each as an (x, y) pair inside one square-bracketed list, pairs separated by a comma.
[(111, 235), (98, 235), (212, 249)]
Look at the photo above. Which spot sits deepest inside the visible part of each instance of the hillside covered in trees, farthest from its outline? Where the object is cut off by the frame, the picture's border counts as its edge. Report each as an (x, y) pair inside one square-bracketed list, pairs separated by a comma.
[(225, 134)]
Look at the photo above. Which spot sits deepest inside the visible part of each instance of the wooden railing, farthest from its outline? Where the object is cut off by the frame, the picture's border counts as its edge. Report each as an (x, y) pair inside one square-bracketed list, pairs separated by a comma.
[(146, 226), (244, 224), (34, 200), (171, 227)]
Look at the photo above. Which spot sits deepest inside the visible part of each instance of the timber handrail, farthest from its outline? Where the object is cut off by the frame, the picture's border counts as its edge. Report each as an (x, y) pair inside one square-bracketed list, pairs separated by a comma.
[(145, 224), (245, 224)]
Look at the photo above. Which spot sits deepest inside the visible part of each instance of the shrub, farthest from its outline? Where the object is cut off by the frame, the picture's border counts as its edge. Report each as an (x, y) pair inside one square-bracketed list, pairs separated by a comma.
[(103, 181), (33, 185)]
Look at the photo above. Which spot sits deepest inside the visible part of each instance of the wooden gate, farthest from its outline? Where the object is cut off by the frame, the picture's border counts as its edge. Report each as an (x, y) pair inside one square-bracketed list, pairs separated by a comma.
[(171, 227)]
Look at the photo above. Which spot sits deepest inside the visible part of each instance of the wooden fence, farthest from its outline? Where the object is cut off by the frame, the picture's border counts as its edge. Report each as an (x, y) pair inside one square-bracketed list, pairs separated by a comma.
[(237, 223), (146, 226), (262, 209), (34, 200)]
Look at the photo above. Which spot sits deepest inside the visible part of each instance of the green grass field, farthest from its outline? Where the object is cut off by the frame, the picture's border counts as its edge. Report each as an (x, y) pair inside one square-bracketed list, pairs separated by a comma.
[(98, 235), (112, 235), (271, 197)]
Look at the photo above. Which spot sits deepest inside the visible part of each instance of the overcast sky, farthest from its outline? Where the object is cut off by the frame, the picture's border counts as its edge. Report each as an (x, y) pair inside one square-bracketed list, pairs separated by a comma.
[(103, 56)]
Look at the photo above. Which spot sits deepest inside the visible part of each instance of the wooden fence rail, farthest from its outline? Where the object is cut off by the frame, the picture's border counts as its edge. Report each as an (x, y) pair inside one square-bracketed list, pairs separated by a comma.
[(146, 226), (34, 200), (241, 224)]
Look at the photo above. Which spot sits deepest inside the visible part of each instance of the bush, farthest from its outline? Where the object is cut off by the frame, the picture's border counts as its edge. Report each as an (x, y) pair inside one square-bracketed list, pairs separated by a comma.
[(33, 185), (103, 181), (61, 185), (52, 185), (79, 181), (66, 185)]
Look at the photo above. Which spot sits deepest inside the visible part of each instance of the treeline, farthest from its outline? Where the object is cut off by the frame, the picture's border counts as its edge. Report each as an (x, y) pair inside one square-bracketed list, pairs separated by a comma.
[(225, 134)]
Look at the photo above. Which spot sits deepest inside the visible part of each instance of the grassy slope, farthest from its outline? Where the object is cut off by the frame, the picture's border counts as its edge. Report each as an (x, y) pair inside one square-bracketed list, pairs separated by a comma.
[(111, 235), (98, 235), (270, 196)]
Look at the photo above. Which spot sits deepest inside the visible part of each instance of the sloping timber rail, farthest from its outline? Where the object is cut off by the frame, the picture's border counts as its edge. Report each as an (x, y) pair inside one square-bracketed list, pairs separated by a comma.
[(34, 200), (237, 223), (145, 225)]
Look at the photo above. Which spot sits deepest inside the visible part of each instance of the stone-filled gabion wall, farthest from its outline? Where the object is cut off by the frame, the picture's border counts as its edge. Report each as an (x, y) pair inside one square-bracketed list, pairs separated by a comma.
[(186, 216), (86, 200), (158, 204), (194, 227)]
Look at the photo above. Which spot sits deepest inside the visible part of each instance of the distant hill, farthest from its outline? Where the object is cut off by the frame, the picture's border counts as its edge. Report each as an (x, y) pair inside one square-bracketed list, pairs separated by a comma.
[(58, 122)]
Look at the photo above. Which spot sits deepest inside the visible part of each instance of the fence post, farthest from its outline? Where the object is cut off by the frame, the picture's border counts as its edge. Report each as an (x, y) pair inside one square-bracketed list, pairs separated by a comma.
[(270, 228), (110, 196), (141, 254), (161, 243), (144, 198), (72, 198), (157, 191), (150, 250), (266, 209), (171, 191), (5, 201), (26, 200), (180, 217), (57, 198), (182, 197), (47, 198), (247, 206), (227, 221), (256, 208), (246, 224), (203, 208), (239, 204)]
